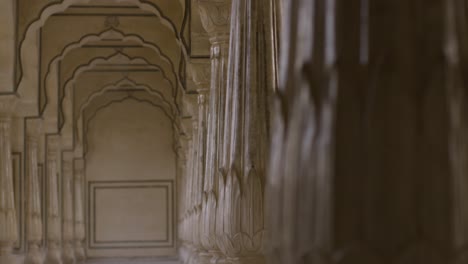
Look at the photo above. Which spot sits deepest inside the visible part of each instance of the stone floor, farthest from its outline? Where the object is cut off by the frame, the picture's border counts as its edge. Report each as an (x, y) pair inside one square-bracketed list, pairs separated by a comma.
[(133, 261)]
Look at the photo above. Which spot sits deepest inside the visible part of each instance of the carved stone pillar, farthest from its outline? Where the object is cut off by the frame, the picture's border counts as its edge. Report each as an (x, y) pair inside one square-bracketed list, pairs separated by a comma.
[(34, 231), (201, 74), (181, 174), (53, 210), (369, 159), (194, 238), (457, 101), (215, 15), (68, 220), (8, 224), (79, 212), (240, 223), (186, 248)]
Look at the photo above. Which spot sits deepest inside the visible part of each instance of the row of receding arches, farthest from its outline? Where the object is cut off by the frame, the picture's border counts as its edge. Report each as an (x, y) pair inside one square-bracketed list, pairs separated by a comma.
[(53, 90), (145, 65)]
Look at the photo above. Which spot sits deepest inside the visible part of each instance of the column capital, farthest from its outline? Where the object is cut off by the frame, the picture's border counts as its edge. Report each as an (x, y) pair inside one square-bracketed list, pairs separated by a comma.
[(7, 106), (215, 16), (67, 164), (34, 128), (201, 73), (203, 96), (53, 145)]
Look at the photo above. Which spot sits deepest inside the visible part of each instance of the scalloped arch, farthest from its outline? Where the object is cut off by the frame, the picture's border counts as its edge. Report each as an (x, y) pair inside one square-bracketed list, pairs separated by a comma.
[(28, 47), (65, 105), (117, 34), (86, 121)]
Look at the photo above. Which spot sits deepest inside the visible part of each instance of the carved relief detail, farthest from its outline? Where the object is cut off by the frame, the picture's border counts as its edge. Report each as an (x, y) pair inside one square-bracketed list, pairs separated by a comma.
[(240, 226), (201, 73), (215, 16)]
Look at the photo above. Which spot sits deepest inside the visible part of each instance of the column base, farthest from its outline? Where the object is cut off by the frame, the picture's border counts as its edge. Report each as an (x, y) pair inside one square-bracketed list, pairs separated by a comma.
[(80, 256), (34, 255), (7, 256), (217, 258), (68, 254), (204, 258), (193, 258), (53, 255), (11, 259), (246, 260)]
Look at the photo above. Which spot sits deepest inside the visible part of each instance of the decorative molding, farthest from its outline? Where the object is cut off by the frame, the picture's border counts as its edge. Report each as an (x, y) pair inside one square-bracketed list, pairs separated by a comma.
[(201, 73), (215, 16), (7, 106), (166, 185)]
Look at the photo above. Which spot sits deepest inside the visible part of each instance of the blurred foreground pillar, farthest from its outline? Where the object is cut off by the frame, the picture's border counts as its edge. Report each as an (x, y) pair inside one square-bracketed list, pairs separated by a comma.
[(369, 157)]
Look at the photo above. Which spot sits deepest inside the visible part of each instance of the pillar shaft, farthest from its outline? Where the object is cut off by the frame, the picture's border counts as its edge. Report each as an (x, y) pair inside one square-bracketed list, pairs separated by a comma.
[(68, 220), (8, 223), (79, 224), (54, 234), (215, 17), (34, 232), (369, 161), (240, 223)]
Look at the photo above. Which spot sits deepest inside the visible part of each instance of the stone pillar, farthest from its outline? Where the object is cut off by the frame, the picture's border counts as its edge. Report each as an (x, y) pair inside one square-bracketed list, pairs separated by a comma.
[(34, 231), (215, 16), (8, 223), (181, 188), (186, 249), (240, 224), (68, 219), (457, 101), (79, 212), (53, 210), (369, 158), (201, 75), (192, 229)]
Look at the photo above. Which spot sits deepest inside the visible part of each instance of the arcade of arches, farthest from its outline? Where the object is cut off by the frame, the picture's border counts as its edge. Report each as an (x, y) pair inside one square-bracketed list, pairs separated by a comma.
[(233, 131)]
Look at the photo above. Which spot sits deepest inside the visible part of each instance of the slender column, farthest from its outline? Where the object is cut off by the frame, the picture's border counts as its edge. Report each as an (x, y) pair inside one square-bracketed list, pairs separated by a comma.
[(68, 220), (193, 188), (182, 188), (241, 229), (8, 224), (369, 159), (457, 96), (79, 212), (186, 224), (33, 203), (53, 213), (201, 75), (215, 15)]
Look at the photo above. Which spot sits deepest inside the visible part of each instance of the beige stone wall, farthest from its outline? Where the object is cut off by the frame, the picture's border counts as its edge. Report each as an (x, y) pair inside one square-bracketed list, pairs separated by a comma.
[(130, 175)]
